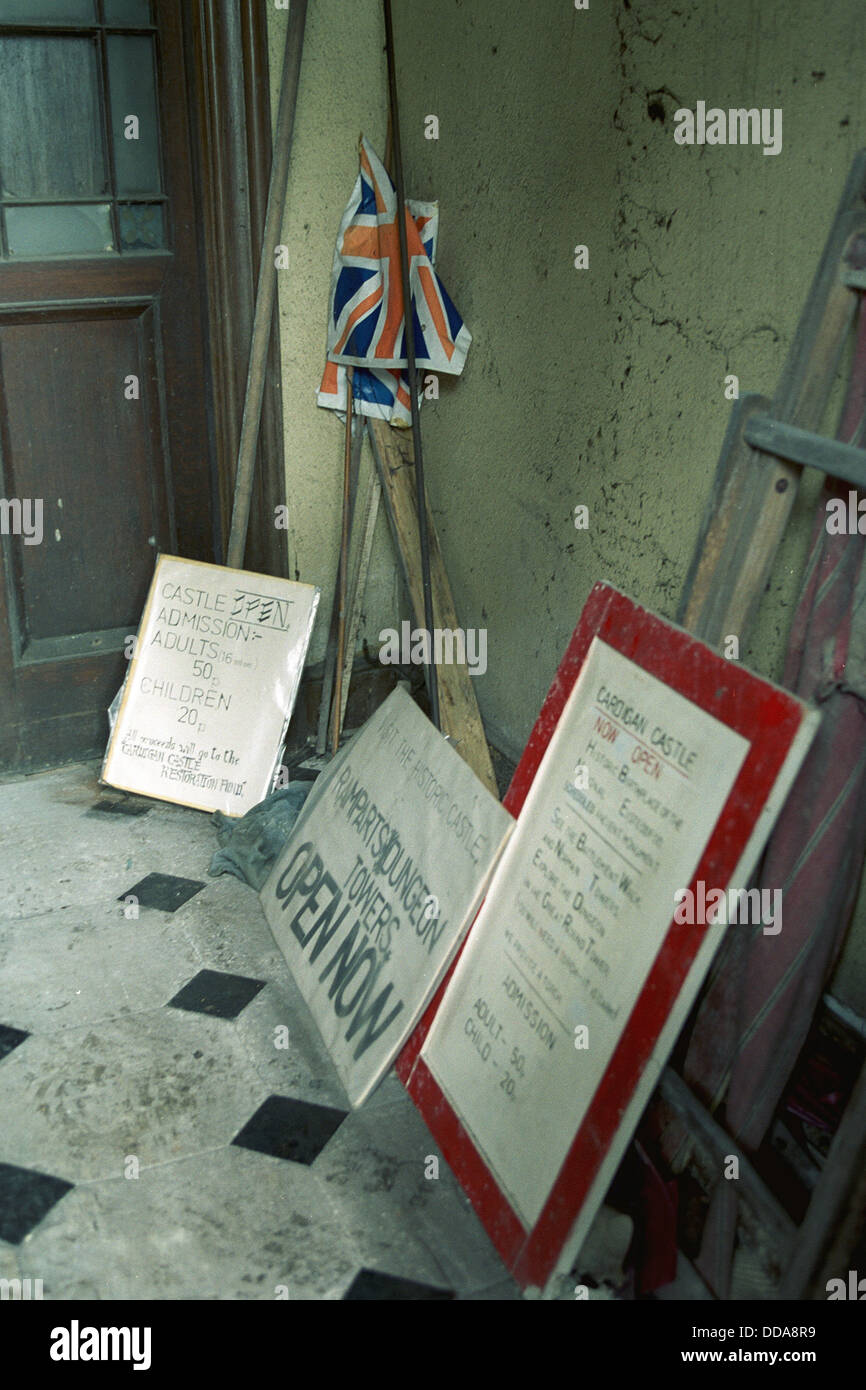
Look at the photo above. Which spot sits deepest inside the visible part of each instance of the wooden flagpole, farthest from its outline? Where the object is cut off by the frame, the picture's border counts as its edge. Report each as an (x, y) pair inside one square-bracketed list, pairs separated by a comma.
[(266, 288), (343, 573), (432, 675)]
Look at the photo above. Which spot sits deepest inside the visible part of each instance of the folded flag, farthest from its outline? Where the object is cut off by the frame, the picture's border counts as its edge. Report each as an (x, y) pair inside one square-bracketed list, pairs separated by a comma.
[(381, 394), (366, 322)]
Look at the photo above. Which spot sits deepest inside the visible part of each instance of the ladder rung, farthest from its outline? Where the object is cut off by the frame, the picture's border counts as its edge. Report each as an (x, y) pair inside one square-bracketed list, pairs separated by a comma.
[(812, 450)]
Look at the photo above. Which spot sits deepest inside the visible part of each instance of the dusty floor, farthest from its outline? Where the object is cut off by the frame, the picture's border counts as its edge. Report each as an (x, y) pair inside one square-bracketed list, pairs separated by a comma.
[(129, 1166)]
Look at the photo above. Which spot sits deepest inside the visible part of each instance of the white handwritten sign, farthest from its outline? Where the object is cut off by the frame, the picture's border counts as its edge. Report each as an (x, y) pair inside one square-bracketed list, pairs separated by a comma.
[(578, 912), (654, 772), (378, 883), (211, 686)]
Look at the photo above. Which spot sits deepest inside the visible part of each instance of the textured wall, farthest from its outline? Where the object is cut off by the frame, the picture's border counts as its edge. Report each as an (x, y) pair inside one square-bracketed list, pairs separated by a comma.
[(605, 386), (342, 93), (602, 386)]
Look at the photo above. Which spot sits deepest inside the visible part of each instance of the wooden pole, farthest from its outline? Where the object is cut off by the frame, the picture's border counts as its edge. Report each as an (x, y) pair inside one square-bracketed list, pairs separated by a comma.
[(368, 512), (266, 288), (461, 719), (827, 1239), (432, 677), (342, 575), (330, 667)]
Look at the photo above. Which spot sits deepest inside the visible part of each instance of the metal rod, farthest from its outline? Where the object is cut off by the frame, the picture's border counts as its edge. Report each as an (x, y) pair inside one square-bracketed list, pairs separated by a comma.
[(266, 288), (409, 331)]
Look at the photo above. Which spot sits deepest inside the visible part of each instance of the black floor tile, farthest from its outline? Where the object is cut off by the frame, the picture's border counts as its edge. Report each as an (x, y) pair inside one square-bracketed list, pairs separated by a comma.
[(292, 1129), (371, 1284), (216, 993), (163, 891), (25, 1197), (10, 1039)]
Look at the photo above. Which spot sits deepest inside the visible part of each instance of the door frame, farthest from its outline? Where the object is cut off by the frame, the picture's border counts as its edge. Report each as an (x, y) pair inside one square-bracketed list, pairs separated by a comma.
[(222, 48), (230, 120)]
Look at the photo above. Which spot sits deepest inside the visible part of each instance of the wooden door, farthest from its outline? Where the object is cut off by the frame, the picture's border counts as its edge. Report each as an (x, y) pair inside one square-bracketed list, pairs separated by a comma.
[(104, 455)]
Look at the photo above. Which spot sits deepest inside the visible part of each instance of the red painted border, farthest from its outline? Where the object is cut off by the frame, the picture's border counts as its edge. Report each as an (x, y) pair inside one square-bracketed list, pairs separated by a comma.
[(769, 719)]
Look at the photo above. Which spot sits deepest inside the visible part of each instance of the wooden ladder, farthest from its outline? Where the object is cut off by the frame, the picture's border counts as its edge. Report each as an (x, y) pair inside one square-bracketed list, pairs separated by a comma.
[(765, 448)]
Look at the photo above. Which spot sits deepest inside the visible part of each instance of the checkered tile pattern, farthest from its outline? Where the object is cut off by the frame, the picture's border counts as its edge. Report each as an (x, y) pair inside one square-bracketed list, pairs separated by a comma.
[(172, 1125)]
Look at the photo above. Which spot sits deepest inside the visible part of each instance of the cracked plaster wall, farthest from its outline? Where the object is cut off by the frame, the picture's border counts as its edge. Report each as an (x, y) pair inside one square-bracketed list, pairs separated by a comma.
[(604, 386)]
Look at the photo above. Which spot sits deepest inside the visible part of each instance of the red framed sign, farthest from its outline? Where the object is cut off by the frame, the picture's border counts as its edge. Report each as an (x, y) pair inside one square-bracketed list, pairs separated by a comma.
[(644, 796)]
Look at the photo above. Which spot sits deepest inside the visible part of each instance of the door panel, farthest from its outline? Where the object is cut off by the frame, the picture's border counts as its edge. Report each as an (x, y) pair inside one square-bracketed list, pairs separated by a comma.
[(102, 571), (102, 371)]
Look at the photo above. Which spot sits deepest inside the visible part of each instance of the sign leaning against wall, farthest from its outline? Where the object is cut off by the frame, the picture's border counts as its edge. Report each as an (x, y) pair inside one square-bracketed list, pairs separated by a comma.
[(211, 686)]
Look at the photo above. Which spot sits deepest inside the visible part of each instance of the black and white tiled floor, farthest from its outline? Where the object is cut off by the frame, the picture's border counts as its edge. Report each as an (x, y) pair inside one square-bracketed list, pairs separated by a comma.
[(170, 1124)]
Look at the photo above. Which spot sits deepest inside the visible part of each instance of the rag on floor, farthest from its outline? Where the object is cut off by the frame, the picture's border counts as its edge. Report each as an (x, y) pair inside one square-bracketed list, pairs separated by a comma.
[(251, 844)]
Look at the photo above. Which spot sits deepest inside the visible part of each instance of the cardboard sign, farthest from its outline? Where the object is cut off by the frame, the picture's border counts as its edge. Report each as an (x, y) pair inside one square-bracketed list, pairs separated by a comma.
[(211, 686), (655, 770), (380, 879)]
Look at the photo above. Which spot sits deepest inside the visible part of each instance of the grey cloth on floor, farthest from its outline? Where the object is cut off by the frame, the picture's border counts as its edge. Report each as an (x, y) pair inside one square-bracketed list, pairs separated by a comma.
[(251, 844)]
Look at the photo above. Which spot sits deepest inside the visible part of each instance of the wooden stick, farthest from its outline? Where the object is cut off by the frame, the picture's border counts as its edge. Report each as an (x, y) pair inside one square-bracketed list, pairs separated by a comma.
[(266, 288), (772, 1232), (430, 668), (327, 681), (368, 513), (461, 720), (330, 666), (827, 1239), (343, 573)]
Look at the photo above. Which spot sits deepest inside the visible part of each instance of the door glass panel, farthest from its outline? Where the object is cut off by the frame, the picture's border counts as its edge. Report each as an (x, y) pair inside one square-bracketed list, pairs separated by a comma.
[(59, 230), (127, 12), (50, 127), (40, 11), (141, 226), (132, 87), (63, 189)]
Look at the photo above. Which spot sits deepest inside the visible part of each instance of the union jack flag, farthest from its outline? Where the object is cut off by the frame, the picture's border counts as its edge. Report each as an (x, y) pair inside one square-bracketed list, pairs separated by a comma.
[(366, 323)]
